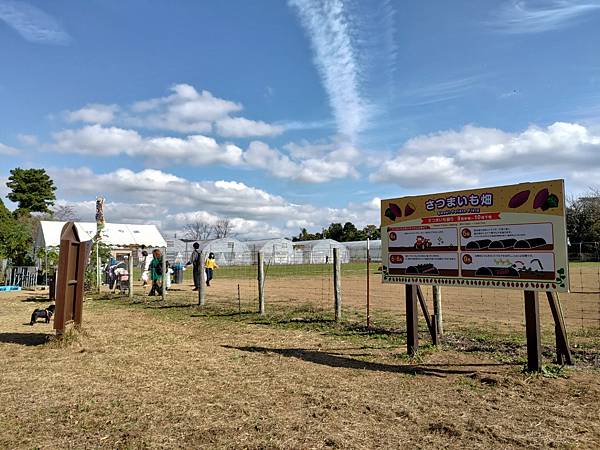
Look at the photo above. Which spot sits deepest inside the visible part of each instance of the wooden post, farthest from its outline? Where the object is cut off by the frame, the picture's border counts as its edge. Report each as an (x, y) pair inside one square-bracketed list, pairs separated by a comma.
[(532, 328), (368, 284), (130, 269), (164, 274), (337, 284), (437, 309), (563, 352), (202, 287), (412, 331), (261, 284), (434, 330)]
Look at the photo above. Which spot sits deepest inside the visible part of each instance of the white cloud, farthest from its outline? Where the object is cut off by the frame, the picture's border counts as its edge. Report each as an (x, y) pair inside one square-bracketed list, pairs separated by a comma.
[(240, 127), (473, 154), (169, 201), (28, 139), (93, 113), (329, 30), (531, 17), (333, 161), (97, 140), (185, 110), (8, 151), (32, 23)]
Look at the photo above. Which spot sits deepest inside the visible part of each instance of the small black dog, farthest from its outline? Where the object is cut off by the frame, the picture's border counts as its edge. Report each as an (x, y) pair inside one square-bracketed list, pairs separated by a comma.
[(42, 314)]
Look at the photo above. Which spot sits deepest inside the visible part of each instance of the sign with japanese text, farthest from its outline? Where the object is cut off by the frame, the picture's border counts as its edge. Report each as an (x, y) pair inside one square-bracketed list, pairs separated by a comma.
[(511, 237)]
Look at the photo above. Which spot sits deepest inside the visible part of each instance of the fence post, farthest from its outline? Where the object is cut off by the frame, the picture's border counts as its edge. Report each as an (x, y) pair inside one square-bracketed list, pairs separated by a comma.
[(164, 274), (130, 269), (437, 309), (202, 287), (261, 284), (337, 284)]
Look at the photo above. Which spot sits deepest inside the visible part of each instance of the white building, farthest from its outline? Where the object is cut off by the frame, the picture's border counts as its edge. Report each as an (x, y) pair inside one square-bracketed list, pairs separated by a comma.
[(318, 251), (357, 250), (275, 251), (228, 251)]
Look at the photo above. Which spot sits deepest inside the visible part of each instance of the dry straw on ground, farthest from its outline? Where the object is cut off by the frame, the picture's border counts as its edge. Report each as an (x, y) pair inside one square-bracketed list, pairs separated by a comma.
[(148, 377)]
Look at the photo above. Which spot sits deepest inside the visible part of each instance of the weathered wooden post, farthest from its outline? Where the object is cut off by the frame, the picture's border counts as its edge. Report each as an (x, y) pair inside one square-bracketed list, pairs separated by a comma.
[(71, 269), (412, 329), (164, 274), (437, 309), (532, 328), (130, 269), (337, 284), (202, 287), (261, 284)]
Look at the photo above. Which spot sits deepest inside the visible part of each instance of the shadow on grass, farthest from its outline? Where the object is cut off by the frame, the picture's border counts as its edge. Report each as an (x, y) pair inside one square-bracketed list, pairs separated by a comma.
[(28, 339), (336, 360), (225, 314), (37, 299)]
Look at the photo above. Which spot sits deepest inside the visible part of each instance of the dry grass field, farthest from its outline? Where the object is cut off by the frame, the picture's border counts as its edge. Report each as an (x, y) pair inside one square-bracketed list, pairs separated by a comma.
[(153, 374)]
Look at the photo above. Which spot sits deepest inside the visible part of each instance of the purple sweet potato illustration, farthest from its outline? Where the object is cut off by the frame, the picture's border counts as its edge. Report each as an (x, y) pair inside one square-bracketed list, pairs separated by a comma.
[(396, 210), (519, 199), (389, 214), (540, 198), (409, 209)]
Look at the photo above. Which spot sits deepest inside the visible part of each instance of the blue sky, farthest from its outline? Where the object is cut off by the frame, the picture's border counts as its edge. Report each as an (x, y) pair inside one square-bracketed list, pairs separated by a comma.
[(280, 115)]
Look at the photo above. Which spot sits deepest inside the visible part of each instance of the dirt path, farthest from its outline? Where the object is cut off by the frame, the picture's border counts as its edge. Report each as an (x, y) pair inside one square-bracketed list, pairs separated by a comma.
[(136, 380)]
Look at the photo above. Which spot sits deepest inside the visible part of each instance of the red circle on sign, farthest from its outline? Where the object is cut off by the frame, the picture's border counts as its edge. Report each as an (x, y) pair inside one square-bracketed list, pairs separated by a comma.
[(396, 259), (393, 236), (466, 233), (467, 259)]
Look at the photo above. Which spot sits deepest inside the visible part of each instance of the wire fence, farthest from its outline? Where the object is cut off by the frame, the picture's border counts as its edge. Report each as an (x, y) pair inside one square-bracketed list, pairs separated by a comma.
[(299, 285)]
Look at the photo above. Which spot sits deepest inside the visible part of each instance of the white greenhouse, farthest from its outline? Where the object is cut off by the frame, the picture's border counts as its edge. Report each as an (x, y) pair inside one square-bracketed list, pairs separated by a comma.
[(275, 251), (318, 251), (228, 251), (357, 250)]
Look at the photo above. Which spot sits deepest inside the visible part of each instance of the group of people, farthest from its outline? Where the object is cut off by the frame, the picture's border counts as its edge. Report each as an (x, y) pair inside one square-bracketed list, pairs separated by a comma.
[(152, 271)]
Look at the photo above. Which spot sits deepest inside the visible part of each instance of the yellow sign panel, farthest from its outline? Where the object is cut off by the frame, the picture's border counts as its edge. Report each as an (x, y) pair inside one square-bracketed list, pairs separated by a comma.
[(511, 237)]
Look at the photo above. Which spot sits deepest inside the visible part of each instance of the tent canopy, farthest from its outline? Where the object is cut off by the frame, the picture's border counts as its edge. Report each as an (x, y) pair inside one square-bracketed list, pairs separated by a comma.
[(115, 235)]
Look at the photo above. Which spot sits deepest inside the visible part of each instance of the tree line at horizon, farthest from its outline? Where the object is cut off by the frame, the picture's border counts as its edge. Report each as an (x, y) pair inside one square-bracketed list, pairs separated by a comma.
[(33, 191)]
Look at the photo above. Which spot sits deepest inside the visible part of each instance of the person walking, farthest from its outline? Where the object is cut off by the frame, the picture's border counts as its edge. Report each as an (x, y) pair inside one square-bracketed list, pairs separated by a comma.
[(156, 274), (209, 266), (145, 261), (196, 265)]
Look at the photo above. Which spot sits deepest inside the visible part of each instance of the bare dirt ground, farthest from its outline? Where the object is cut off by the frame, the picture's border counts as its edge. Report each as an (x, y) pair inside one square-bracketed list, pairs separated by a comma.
[(170, 375)]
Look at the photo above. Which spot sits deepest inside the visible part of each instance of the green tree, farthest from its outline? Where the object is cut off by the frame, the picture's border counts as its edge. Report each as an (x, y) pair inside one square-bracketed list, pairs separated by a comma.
[(349, 232), (15, 237), (335, 232), (372, 232), (583, 218), (32, 189)]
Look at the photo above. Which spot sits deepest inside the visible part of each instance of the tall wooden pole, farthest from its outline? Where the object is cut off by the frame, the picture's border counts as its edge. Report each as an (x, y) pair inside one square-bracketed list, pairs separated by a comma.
[(130, 269), (368, 285), (164, 274), (437, 309), (337, 284), (412, 330), (532, 329), (202, 287), (261, 284)]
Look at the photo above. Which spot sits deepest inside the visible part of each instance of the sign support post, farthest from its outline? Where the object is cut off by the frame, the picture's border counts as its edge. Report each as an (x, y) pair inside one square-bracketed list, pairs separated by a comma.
[(532, 330), (412, 320)]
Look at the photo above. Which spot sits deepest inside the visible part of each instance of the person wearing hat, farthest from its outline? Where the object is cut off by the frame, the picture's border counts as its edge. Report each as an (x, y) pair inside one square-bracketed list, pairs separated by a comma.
[(209, 266), (196, 265)]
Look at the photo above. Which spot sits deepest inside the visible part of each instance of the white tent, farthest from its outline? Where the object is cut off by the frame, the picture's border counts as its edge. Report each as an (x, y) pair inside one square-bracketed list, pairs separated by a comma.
[(275, 251), (228, 251), (357, 250), (115, 235), (318, 252)]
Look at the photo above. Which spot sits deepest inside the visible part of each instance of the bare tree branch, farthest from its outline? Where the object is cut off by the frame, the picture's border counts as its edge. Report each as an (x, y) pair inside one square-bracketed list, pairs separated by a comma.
[(65, 213), (222, 228), (197, 231)]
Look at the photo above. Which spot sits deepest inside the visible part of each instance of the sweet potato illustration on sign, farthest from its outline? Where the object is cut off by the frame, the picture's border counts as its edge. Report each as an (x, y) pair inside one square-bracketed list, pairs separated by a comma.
[(396, 210), (540, 198), (519, 199), (409, 209)]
